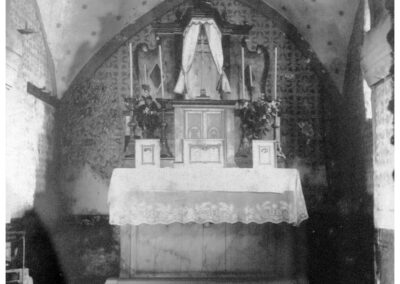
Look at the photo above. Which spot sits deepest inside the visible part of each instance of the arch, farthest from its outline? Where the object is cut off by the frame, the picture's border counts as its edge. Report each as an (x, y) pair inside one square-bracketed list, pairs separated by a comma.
[(108, 49)]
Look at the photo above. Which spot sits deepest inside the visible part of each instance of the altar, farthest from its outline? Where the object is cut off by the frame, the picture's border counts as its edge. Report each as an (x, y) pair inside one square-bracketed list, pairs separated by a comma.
[(201, 217), (177, 224)]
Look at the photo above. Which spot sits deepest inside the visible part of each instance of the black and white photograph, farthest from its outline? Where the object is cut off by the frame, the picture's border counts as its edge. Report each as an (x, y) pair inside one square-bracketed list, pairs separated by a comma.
[(199, 141)]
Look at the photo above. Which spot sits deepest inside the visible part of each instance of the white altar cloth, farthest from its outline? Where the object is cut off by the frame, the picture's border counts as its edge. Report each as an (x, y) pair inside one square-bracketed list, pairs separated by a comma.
[(183, 195)]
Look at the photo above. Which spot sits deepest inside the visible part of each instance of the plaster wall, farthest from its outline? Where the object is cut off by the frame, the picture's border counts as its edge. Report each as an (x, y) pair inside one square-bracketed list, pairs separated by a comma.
[(82, 27), (30, 122), (326, 25), (377, 61), (384, 156)]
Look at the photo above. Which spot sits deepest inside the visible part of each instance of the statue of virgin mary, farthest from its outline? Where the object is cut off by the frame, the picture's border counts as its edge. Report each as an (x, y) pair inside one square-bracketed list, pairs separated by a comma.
[(202, 74)]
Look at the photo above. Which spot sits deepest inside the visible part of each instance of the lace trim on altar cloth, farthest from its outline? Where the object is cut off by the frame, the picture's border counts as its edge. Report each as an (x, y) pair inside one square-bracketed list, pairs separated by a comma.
[(208, 212), (273, 196)]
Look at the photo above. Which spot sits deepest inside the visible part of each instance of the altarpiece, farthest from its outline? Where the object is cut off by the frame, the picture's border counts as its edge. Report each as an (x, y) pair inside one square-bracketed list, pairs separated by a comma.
[(182, 220)]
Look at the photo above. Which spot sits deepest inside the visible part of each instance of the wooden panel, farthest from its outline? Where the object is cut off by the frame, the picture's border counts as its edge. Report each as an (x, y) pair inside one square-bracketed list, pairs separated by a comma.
[(193, 124), (214, 248), (248, 249), (125, 247), (269, 249), (133, 257), (211, 116), (169, 248), (191, 247), (209, 250), (168, 257), (284, 239), (214, 125), (147, 250)]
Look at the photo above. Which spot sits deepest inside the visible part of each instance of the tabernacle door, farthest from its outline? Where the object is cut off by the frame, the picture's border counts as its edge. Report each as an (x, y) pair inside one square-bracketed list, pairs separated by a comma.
[(196, 120)]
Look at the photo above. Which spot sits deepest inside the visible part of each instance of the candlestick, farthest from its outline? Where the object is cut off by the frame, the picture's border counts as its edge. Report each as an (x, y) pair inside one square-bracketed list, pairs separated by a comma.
[(275, 72), (164, 151), (131, 69), (240, 97), (161, 69), (277, 130)]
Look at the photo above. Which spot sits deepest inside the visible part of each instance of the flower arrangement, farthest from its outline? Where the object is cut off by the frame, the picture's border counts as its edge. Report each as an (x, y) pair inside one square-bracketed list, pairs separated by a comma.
[(257, 117), (145, 114)]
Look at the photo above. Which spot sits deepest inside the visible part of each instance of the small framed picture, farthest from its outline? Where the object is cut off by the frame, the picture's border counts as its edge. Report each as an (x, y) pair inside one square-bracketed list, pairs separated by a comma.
[(264, 153), (147, 153)]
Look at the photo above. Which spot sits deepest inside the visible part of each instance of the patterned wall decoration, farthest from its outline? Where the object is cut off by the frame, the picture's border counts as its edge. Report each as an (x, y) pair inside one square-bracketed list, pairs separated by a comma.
[(298, 88), (91, 127)]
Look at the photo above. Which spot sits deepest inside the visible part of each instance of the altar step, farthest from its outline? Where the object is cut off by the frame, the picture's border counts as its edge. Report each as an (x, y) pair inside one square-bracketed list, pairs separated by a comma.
[(205, 281)]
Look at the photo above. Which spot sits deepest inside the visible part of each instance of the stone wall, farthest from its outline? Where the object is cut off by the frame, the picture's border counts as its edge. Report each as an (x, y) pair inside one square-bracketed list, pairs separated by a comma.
[(92, 144), (377, 62), (31, 138), (32, 203), (384, 155), (382, 95)]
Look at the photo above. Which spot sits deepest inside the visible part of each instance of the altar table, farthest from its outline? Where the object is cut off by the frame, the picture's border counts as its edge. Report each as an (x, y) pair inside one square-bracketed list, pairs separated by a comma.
[(194, 223), (229, 195)]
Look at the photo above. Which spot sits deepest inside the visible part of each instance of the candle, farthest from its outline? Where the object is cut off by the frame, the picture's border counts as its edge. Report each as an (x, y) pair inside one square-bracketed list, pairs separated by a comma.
[(145, 74), (275, 72), (277, 129), (131, 69), (251, 76), (161, 69), (240, 97)]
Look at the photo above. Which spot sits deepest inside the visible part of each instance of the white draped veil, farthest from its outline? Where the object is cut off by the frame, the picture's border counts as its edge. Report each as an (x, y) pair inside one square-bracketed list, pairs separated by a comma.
[(190, 37)]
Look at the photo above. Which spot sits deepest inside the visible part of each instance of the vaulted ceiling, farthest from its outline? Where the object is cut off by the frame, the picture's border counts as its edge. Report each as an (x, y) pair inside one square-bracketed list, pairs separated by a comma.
[(76, 29)]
